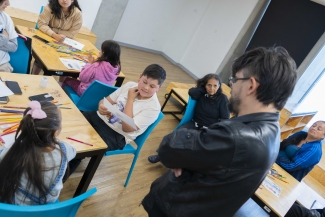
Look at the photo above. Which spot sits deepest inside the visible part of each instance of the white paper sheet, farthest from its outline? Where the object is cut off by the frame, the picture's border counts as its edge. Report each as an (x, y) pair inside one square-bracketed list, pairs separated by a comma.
[(73, 43), (4, 90), (271, 186), (72, 64), (9, 139), (128, 120)]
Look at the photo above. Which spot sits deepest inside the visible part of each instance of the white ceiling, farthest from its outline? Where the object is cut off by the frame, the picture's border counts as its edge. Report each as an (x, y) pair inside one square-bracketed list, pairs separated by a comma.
[(322, 2)]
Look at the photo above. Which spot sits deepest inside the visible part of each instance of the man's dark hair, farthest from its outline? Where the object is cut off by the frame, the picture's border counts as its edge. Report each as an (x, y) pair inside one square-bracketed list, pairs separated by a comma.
[(275, 71), (156, 72)]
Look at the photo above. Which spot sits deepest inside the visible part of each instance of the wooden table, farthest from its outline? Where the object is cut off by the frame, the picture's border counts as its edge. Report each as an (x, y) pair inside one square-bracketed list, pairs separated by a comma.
[(73, 122), (179, 91), (279, 206), (48, 58), (25, 18), (308, 196)]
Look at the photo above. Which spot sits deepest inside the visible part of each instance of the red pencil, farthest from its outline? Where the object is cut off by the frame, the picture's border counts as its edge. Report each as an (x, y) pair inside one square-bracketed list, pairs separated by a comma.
[(8, 133), (79, 141)]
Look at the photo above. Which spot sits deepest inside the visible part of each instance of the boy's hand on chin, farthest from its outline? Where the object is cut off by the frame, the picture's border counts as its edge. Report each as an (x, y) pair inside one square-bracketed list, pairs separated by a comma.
[(133, 93)]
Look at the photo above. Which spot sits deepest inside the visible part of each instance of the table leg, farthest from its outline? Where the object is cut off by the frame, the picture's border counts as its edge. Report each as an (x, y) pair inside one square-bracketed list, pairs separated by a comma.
[(174, 112), (264, 206), (90, 171)]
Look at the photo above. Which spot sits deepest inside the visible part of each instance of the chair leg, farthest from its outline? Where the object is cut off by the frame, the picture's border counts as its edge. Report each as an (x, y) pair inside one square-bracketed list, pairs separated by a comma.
[(131, 169)]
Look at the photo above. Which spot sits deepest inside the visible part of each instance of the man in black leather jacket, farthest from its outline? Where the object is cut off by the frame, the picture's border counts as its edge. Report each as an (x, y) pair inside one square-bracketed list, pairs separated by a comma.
[(214, 171)]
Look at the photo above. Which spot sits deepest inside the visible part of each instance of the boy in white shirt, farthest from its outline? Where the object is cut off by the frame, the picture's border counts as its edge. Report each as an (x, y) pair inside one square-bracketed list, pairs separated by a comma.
[(137, 100), (8, 38)]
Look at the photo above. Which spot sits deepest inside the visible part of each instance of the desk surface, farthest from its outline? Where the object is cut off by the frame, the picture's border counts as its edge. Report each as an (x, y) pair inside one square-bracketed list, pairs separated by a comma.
[(73, 122), (48, 55), (308, 196), (290, 193)]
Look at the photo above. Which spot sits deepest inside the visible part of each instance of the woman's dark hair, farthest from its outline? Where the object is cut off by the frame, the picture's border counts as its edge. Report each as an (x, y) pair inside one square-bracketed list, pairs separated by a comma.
[(111, 53), (26, 154), (275, 71), (203, 81), (56, 8)]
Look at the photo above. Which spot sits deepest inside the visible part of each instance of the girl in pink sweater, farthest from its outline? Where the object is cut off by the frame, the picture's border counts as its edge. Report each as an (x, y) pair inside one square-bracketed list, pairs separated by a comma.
[(105, 69)]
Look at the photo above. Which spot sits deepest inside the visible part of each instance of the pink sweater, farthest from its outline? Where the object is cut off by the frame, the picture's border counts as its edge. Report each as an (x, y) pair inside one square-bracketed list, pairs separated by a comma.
[(102, 71)]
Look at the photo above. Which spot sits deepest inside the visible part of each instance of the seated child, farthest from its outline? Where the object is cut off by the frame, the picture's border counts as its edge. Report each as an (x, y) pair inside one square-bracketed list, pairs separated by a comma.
[(137, 100), (211, 107), (302, 151), (33, 167), (8, 38), (105, 69)]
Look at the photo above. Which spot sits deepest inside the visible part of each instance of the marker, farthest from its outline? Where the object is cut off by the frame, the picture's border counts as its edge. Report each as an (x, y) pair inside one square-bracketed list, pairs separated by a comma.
[(79, 141)]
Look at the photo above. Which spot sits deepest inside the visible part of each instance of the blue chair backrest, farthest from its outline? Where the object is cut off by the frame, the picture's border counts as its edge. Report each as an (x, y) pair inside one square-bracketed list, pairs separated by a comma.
[(62, 209), (20, 59), (93, 94), (143, 137), (189, 112), (42, 8)]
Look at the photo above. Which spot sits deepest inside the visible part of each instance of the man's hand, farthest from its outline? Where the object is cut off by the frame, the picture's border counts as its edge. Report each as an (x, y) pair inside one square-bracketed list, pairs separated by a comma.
[(102, 109), (4, 32), (59, 38), (133, 93), (177, 172)]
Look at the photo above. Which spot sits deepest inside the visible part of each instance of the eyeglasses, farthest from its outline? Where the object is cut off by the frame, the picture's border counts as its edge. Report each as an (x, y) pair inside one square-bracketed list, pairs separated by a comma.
[(234, 79)]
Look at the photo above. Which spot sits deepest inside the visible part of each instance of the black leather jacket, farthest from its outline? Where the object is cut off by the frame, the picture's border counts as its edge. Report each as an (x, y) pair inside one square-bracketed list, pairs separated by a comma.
[(223, 166)]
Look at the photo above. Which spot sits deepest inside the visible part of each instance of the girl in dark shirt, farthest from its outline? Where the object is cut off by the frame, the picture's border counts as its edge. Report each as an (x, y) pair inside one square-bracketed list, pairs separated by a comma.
[(211, 107)]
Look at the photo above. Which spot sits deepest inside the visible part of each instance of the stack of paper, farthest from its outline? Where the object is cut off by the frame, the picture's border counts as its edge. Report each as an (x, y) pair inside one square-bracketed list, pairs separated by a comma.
[(73, 43), (72, 64)]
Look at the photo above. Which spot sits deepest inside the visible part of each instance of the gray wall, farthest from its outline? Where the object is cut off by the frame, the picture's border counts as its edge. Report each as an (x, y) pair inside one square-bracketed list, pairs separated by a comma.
[(107, 20)]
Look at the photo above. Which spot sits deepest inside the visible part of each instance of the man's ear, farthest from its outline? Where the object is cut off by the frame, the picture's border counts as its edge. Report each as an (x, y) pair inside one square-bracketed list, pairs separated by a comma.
[(253, 86)]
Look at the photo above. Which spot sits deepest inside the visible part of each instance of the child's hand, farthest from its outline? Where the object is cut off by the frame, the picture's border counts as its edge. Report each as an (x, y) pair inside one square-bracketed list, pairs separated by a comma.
[(58, 37), (102, 109), (133, 93), (90, 58)]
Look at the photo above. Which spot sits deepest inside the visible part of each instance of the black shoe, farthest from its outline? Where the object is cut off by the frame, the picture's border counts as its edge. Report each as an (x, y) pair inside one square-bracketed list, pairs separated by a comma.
[(153, 159)]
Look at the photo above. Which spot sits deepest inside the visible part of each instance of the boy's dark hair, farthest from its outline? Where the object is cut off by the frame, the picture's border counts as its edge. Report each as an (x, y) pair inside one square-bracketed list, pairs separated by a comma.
[(275, 71), (156, 72), (25, 157), (111, 53), (56, 8)]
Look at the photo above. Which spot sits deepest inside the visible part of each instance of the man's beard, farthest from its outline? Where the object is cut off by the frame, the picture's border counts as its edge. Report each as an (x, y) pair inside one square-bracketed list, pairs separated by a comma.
[(233, 105)]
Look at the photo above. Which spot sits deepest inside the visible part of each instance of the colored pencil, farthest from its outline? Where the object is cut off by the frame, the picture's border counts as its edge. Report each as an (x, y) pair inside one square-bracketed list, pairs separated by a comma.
[(64, 107), (313, 204), (62, 104), (8, 122), (79, 141), (11, 111), (10, 114), (2, 141), (8, 133), (17, 107), (10, 128)]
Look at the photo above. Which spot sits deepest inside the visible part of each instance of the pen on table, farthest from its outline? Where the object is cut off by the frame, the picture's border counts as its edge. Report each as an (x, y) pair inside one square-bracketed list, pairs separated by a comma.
[(313, 204), (17, 107), (66, 103), (64, 107), (11, 111), (79, 141)]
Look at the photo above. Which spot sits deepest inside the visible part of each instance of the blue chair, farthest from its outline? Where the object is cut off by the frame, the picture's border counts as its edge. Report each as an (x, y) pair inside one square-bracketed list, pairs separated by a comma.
[(63, 209), (42, 8), (20, 59), (139, 141), (189, 112), (88, 101)]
